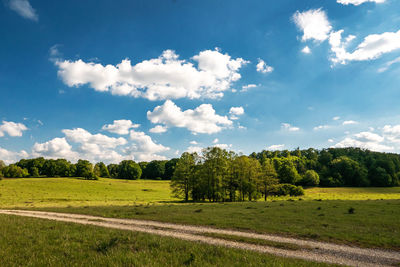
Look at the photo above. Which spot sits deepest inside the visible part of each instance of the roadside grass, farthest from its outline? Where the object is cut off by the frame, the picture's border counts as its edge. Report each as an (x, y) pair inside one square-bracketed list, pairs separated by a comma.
[(372, 223), (63, 192), (37, 242)]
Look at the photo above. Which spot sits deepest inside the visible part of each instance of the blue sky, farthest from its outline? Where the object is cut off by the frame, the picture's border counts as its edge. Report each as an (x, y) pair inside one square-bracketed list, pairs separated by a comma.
[(147, 80)]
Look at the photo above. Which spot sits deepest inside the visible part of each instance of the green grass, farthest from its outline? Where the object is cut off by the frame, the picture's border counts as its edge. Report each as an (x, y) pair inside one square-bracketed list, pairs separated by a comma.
[(36, 242), (373, 224), (63, 192)]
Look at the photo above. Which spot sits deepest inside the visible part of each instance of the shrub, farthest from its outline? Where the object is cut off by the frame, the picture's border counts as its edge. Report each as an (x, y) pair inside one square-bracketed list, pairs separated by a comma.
[(286, 189), (13, 171)]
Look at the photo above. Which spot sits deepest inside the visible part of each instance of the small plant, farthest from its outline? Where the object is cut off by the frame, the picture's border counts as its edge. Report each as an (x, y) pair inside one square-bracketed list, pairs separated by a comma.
[(199, 210), (351, 210)]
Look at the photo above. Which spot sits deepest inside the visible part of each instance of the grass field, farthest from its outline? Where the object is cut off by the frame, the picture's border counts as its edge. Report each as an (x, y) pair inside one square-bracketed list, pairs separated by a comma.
[(36, 242), (322, 214), (64, 192)]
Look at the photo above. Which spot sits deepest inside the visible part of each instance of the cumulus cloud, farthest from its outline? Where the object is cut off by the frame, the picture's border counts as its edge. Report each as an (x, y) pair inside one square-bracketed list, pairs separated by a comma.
[(11, 156), (276, 147), (24, 9), (79, 135), (12, 128), (235, 112), (290, 128), (200, 120), (321, 127), (224, 146), (372, 47), (55, 148), (165, 77), (306, 50), (365, 140), (359, 2), (145, 149), (314, 24), (263, 67), (193, 143), (194, 149), (121, 127), (158, 129)]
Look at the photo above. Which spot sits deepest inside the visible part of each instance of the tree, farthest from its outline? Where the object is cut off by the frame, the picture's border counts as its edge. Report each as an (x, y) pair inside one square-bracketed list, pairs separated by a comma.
[(101, 170), (113, 170), (143, 165), (287, 172), (170, 168), (268, 177), (85, 169), (128, 169), (155, 170), (14, 171), (310, 178), (2, 166), (182, 179)]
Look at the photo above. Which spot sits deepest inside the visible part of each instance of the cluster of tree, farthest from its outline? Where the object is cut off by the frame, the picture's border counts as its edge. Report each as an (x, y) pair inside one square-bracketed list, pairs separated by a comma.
[(219, 175), (336, 166), (127, 169)]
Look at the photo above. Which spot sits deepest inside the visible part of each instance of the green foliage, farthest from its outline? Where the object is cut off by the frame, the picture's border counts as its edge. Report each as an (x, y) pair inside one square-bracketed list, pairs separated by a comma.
[(100, 170), (155, 170), (113, 170), (85, 169), (310, 178), (128, 169), (285, 190), (183, 179), (14, 171)]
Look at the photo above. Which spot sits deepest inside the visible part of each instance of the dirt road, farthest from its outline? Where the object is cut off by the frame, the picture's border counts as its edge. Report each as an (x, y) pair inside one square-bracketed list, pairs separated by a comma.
[(308, 250)]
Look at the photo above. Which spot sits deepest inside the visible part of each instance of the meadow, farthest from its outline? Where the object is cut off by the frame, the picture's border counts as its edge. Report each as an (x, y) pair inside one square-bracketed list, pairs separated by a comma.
[(367, 217)]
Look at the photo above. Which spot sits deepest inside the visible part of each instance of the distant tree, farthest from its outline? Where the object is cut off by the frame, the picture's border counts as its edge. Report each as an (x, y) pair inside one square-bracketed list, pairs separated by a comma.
[(310, 178), (143, 165), (268, 177), (113, 170), (101, 170), (170, 168), (380, 177), (349, 171), (128, 169), (287, 172), (183, 177), (85, 169), (14, 171), (155, 170), (2, 166)]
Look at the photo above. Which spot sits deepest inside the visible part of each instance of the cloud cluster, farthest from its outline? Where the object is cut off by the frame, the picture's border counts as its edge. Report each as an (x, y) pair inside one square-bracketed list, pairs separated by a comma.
[(235, 112), (358, 2), (315, 26), (263, 67), (10, 156), (290, 128), (24, 9), (202, 119), (12, 128), (121, 127), (165, 77)]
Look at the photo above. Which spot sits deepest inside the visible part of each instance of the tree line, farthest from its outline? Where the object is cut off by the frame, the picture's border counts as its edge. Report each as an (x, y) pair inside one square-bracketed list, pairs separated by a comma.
[(215, 173)]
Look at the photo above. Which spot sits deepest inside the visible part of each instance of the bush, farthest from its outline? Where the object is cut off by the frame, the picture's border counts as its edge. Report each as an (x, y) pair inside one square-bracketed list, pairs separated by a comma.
[(13, 171), (286, 189), (310, 178)]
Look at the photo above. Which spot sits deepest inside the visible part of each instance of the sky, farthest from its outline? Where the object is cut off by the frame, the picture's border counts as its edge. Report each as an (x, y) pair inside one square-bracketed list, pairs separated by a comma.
[(146, 79)]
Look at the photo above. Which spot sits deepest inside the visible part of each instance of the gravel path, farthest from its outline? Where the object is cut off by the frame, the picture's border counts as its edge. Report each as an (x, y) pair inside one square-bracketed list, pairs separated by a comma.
[(310, 250)]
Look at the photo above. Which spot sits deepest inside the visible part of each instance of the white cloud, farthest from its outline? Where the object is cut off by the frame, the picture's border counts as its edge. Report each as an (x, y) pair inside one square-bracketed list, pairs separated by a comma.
[(216, 140), (263, 67), (246, 88), (55, 148), (12, 128), (331, 140), (372, 47), (306, 50), (321, 127), (24, 9), (158, 129), (365, 140), (121, 127), (276, 147), (392, 133), (79, 135), (336, 118), (290, 128), (194, 149), (193, 143), (235, 112), (145, 149), (200, 120), (165, 77), (224, 146), (387, 65), (10, 156), (314, 24), (350, 122), (359, 2)]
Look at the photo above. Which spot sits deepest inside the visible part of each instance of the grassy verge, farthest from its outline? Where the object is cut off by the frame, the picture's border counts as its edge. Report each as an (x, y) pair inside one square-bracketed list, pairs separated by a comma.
[(36, 242), (364, 223)]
